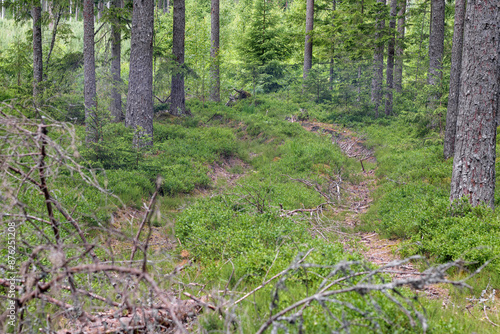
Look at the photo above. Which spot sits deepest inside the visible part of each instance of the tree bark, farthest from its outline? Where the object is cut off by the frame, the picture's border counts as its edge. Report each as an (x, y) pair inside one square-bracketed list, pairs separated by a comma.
[(36, 13), (91, 120), (332, 60), (436, 42), (214, 53), (116, 97), (178, 106), (390, 58), (474, 160), (456, 67), (398, 71), (140, 84), (378, 63), (308, 41)]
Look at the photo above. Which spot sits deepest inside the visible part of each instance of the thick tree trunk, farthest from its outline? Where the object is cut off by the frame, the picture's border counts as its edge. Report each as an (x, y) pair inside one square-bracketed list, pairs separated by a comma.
[(140, 84), (436, 42), (214, 54), (91, 120), (378, 63), (308, 42), (178, 98), (36, 13), (398, 71), (390, 58), (456, 67), (116, 97), (474, 160)]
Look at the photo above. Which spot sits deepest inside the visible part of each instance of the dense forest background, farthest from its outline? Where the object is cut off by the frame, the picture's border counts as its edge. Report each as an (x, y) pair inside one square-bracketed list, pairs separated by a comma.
[(240, 166)]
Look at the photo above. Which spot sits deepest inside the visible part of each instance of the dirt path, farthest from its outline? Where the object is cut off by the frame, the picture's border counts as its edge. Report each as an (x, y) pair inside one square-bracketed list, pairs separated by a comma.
[(357, 202)]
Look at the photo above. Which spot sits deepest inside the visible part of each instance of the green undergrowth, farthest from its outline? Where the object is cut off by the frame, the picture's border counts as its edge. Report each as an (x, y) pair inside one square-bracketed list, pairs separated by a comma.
[(412, 200)]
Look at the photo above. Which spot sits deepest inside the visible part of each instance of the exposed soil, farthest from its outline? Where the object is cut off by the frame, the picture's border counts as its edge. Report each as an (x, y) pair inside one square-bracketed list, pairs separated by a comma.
[(357, 199), (228, 171)]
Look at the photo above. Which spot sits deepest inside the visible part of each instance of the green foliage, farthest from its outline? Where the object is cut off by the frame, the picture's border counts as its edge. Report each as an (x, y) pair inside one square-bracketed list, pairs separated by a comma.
[(414, 201)]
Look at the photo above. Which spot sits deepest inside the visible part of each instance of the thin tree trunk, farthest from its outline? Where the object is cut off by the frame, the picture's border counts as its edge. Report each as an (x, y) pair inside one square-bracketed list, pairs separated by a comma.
[(3, 10), (390, 58), (214, 53), (398, 71), (76, 10), (436, 42), (332, 60), (308, 42), (140, 84), (54, 35), (166, 6), (474, 162), (91, 120), (378, 63), (178, 106), (36, 13), (100, 8), (456, 67), (116, 97)]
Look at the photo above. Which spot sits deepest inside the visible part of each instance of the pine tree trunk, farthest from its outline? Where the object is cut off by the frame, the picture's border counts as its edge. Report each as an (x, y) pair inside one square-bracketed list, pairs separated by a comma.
[(116, 97), (378, 63), (178, 106), (308, 42), (36, 13), (390, 58), (398, 71), (436, 42), (456, 67), (91, 120), (474, 159), (332, 60), (214, 54), (140, 84)]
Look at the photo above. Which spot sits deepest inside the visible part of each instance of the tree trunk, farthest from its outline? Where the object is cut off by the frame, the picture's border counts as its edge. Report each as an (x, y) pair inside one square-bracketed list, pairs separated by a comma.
[(3, 10), (398, 71), (140, 84), (91, 120), (214, 53), (474, 160), (116, 97), (36, 13), (456, 67), (166, 6), (436, 42), (390, 58), (76, 10), (178, 106), (332, 60), (308, 43), (100, 8), (378, 63)]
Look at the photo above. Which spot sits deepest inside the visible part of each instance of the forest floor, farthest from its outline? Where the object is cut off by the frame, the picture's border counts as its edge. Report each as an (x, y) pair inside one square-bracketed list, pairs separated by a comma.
[(356, 202)]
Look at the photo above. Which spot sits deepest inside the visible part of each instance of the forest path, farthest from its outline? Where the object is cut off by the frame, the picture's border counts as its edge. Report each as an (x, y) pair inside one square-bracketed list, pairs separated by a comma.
[(357, 201)]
